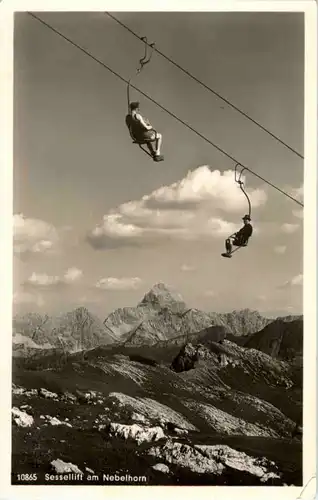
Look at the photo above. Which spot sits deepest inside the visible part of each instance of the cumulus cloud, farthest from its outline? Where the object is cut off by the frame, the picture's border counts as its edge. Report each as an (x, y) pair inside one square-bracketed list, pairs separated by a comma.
[(280, 249), (33, 235), (118, 283), (44, 280), (289, 228), (204, 184), (295, 281), (73, 274), (189, 209), (210, 293)]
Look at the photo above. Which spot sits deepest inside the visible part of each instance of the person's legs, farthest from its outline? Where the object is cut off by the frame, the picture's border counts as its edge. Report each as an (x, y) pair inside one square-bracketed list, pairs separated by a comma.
[(151, 148), (239, 241), (228, 245), (158, 143), (153, 141)]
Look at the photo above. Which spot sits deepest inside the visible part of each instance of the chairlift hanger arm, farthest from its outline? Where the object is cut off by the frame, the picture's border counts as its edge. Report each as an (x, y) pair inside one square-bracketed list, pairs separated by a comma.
[(238, 176), (142, 62), (146, 58)]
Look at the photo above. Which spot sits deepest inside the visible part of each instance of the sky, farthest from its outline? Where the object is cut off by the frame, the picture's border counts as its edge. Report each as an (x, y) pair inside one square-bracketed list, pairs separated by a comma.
[(96, 222)]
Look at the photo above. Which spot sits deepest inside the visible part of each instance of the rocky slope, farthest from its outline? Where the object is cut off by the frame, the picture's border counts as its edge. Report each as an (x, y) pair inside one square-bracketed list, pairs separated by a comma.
[(281, 339), (204, 412)]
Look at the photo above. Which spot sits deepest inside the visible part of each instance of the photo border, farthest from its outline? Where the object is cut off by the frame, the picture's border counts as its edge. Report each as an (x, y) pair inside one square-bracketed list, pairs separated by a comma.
[(7, 9)]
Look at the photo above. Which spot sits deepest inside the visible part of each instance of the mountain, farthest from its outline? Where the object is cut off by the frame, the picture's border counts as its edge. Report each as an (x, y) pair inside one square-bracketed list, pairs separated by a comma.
[(162, 314), (75, 330), (162, 297), (244, 322), (280, 339)]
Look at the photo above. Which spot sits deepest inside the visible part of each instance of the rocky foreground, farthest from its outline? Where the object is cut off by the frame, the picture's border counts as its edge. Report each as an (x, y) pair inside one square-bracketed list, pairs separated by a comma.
[(206, 412)]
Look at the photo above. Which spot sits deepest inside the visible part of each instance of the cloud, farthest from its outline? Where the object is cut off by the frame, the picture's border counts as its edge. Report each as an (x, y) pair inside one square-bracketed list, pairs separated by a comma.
[(46, 281), (280, 249), (43, 280), (186, 268), (73, 274), (298, 213), (33, 235), (204, 184), (298, 193), (289, 228), (295, 192), (22, 297), (189, 209), (262, 298), (295, 281), (210, 293), (119, 283), (86, 299)]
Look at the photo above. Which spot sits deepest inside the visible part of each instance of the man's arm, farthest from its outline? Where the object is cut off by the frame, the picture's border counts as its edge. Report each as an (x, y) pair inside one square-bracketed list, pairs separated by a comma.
[(146, 125)]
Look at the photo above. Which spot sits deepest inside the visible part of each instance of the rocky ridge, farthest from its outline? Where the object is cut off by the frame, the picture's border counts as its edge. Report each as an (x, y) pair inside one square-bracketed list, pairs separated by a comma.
[(73, 331), (161, 315)]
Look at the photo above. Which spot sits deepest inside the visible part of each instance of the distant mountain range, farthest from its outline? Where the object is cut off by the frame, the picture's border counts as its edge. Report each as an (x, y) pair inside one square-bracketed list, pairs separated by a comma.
[(161, 316), (72, 331)]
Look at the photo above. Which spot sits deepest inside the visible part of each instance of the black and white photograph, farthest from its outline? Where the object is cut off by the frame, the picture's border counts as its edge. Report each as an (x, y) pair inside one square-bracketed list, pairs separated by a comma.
[(159, 175)]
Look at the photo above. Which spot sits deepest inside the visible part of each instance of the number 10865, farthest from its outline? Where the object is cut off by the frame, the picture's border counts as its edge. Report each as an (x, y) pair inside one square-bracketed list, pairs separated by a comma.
[(27, 477)]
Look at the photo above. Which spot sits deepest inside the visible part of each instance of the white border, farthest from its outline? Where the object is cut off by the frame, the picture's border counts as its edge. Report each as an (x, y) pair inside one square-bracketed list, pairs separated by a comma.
[(7, 9)]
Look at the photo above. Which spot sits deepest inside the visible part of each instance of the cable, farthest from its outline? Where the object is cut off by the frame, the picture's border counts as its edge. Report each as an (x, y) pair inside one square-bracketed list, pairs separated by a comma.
[(160, 106), (207, 87)]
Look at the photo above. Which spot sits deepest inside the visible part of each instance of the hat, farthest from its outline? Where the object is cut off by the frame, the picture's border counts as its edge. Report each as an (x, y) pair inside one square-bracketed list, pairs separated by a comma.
[(134, 105), (246, 217)]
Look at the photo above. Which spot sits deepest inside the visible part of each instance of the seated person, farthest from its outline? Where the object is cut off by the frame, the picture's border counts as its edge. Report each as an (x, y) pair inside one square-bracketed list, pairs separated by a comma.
[(142, 131), (240, 238)]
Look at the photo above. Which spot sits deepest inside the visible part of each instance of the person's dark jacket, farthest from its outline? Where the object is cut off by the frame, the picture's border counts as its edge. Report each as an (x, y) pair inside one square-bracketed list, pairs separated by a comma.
[(242, 236)]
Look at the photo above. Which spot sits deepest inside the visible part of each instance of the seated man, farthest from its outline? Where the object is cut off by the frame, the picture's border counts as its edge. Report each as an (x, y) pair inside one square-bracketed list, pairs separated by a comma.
[(240, 238), (142, 132)]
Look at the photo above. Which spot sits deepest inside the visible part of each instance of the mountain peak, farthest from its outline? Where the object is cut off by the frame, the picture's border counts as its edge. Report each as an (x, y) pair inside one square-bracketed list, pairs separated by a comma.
[(163, 296)]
